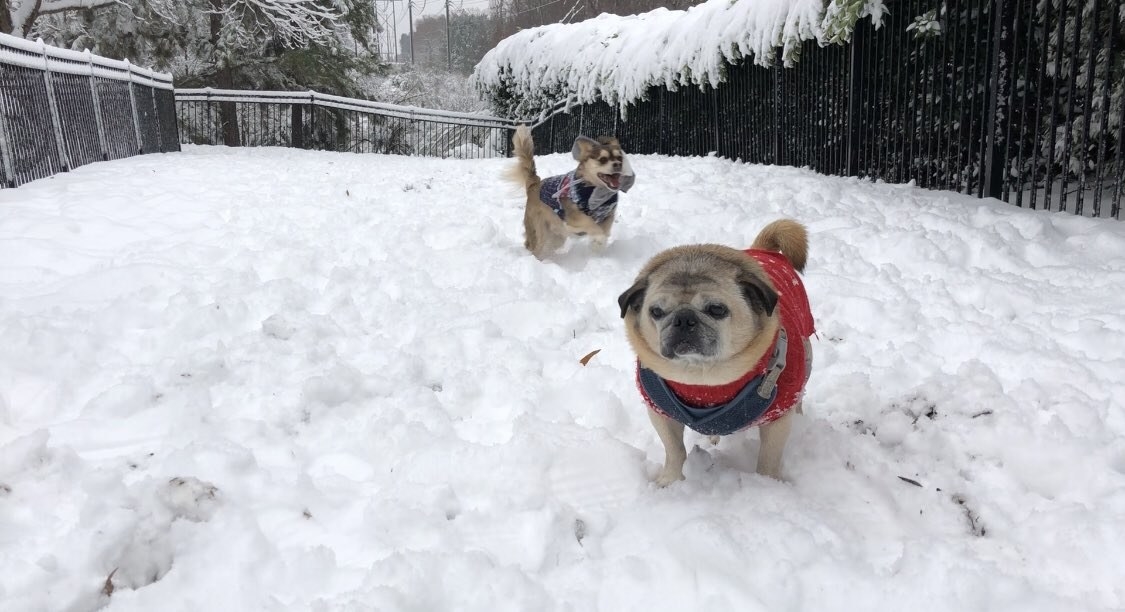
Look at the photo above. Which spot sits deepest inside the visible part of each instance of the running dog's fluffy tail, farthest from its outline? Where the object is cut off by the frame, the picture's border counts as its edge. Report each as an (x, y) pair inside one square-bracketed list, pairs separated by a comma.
[(788, 237), (524, 172)]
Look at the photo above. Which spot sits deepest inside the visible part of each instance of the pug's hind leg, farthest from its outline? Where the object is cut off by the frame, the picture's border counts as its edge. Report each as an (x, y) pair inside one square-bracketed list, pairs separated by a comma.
[(773, 437), (672, 435)]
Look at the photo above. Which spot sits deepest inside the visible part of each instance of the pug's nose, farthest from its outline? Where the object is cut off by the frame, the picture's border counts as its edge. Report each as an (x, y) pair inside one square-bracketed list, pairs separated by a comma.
[(685, 319)]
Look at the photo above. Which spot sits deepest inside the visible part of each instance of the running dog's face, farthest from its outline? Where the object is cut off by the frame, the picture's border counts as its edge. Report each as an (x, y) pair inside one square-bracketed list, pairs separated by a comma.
[(696, 306), (600, 161)]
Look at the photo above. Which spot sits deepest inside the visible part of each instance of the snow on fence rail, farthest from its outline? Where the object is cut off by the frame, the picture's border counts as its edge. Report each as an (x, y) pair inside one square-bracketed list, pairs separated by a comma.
[(60, 109), (313, 120)]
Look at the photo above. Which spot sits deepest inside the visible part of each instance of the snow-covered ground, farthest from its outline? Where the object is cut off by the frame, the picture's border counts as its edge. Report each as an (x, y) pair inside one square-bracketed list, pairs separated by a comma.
[(286, 380)]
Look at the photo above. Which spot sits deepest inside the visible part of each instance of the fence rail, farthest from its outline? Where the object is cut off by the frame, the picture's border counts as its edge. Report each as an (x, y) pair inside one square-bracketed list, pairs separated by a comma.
[(61, 109), (312, 120), (1022, 100)]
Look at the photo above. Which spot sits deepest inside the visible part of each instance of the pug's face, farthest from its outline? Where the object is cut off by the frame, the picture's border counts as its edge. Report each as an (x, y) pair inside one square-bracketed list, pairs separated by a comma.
[(697, 307)]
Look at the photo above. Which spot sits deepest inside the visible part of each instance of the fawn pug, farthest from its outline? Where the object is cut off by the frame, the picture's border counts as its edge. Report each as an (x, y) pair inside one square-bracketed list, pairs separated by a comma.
[(722, 341)]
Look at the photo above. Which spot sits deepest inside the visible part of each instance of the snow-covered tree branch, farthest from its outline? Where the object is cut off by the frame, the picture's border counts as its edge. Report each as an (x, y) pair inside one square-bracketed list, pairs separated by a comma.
[(17, 16), (294, 22)]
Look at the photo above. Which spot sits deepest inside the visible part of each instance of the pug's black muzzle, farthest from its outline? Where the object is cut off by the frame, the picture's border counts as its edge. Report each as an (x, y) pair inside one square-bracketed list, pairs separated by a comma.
[(685, 334)]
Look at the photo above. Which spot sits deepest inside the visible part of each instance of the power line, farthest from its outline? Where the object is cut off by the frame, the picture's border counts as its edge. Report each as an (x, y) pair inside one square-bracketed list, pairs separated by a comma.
[(535, 8)]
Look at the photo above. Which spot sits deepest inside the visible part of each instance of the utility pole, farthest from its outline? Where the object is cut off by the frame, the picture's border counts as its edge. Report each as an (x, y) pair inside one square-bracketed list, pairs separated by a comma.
[(394, 27), (410, 16), (448, 47)]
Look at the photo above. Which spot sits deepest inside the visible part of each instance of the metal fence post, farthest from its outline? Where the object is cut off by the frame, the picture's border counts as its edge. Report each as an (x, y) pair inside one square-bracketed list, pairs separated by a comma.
[(775, 72), (53, 104), (97, 106), (855, 106), (156, 118), (176, 119), (554, 136), (210, 118), (133, 105), (312, 119), (993, 162), (715, 117), (5, 143)]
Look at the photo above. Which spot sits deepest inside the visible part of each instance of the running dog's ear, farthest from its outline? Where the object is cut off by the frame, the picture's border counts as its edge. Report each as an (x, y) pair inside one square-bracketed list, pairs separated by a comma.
[(633, 297), (582, 147), (758, 294)]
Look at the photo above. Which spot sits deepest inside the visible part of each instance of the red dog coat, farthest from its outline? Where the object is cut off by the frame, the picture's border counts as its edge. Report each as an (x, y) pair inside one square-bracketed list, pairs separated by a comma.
[(796, 319)]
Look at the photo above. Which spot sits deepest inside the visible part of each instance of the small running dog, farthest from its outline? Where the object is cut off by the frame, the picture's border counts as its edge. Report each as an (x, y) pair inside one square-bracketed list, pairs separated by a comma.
[(582, 202)]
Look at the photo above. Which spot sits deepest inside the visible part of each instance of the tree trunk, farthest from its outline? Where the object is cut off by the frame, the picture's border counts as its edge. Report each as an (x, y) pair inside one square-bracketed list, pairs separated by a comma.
[(224, 79), (27, 13), (228, 111), (5, 18)]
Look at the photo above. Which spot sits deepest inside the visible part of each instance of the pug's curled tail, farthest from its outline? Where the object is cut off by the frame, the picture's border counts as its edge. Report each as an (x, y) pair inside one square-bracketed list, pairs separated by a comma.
[(524, 171), (788, 237)]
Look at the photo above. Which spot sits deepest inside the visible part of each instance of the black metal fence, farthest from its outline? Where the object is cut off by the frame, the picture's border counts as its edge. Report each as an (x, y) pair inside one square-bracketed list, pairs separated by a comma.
[(311, 120), (61, 109), (1022, 100)]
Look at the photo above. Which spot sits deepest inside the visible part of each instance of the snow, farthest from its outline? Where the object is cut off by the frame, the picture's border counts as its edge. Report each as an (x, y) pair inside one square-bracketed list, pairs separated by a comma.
[(236, 379), (618, 58)]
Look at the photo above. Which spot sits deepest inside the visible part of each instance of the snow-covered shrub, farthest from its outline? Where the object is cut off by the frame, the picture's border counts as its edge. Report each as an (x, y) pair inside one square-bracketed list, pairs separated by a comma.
[(618, 58)]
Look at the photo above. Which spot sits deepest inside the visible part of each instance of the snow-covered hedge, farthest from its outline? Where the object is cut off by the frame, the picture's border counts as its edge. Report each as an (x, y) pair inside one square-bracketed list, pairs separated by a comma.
[(618, 58)]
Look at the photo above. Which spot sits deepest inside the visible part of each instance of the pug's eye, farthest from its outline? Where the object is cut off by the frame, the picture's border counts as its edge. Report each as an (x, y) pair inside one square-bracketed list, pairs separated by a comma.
[(656, 312), (718, 311)]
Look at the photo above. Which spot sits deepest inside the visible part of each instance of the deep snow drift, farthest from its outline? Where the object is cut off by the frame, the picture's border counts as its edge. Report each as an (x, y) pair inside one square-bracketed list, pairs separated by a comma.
[(288, 380)]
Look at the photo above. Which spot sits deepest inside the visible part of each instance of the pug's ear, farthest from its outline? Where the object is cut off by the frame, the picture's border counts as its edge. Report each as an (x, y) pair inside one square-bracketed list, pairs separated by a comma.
[(633, 297), (582, 147), (758, 294)]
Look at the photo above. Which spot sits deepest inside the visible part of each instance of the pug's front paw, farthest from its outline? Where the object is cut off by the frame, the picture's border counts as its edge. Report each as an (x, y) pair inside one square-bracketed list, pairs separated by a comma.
[(667, 477)]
